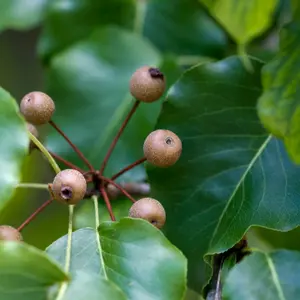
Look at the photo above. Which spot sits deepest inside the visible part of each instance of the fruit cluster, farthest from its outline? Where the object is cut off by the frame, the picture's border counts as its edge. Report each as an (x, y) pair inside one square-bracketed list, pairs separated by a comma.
[(161, 148)]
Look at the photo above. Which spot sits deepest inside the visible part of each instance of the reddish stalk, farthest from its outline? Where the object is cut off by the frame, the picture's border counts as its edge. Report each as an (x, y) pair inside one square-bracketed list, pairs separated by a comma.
[(122, 190), (75, 148), (131, 166), (65, 162), (115, 140), (40, 209), (107, 202)]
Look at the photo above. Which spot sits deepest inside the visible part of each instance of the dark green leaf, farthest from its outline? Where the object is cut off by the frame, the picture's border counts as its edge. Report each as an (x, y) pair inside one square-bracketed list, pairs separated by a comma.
[(14, 144), (182, 27), (26, 273), (131, 253), (231, 174), (265, 276), (90, 85), (69, 22), (21, 14), (279, 106), (92, 287), (244, 20)]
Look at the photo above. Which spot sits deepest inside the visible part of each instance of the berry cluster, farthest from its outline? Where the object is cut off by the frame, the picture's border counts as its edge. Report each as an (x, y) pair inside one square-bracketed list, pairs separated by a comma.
[(162, 148)]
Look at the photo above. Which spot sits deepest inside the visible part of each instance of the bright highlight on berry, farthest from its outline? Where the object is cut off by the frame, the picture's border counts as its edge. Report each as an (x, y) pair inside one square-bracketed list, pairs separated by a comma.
[(147, 84), (162, 148), (69, 186), (37, 108), (150, 210)]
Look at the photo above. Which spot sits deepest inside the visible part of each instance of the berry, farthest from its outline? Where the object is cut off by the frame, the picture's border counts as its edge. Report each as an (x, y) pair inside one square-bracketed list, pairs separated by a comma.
[(37, 108), (32, 129), (147, 84), (162, 148), (8, 233), (149, 209), (69, 186)]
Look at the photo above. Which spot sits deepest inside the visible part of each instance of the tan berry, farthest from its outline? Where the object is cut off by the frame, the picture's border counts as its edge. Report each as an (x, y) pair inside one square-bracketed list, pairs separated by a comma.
[(9, 233)]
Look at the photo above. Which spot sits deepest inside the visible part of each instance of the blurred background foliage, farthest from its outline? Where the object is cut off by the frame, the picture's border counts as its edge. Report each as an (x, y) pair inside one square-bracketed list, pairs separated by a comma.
[(70, 48)]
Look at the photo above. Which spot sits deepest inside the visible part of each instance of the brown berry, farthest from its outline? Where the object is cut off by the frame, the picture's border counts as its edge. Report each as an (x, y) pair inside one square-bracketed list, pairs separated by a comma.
[(69, 186), (37, 108), (147, 84), (149, 209), (9, 233), (162, 148)]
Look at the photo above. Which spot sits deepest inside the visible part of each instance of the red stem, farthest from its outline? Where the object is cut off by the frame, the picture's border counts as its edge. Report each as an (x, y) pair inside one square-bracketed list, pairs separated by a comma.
[(107, 202), (65, 162), (115, 140), (40, 209), (80, 154), (122, 190), (124, 170)]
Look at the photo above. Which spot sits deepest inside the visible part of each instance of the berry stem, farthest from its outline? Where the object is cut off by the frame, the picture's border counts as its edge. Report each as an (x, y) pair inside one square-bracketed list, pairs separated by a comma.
[(131, 166), (65, 162), (45, 152), (32, 216), (115, 140), (25, 185), (75, 148), (122, 190), (107, 202)]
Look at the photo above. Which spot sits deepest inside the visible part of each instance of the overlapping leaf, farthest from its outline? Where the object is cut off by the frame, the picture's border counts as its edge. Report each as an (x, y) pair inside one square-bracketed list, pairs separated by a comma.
[(21, 14), (279, 106), (231, 174), (265, 276), (132, 254), (26, 273), (14, 144), (244, 20)]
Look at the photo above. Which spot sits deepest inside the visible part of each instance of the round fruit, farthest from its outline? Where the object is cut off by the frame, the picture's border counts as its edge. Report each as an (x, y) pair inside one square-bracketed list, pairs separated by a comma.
[(147, 84), (37, 108), (32, 129), (69, 186), (162, 148), (8, 233), (149, 209)]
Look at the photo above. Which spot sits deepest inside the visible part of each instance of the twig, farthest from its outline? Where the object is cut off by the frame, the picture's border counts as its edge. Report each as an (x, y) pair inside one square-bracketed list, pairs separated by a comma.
[(115, 140), (107, 202), (131, 166), (75, 148), (32, 216), (65, 162)]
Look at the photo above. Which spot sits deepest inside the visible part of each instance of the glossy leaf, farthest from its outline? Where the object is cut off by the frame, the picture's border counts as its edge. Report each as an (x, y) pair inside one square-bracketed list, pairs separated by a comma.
[(21, 14), (92, 287), (279, 106), (265, 276), (90, 85), (26, 273), (183, 28), (244, 20), (132, 254), (70, 21), (14, 144), (231, 174)]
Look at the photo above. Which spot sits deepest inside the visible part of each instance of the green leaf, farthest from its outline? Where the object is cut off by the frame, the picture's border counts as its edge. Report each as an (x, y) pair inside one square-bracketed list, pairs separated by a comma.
[(244, 20), (279, 106), (21, 14), (268, 276), (231, 174), (85, 214), (131, 253), (92, 287), (26, 272), (69, 22), (14, 144), (183, 28), (90, 85)]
